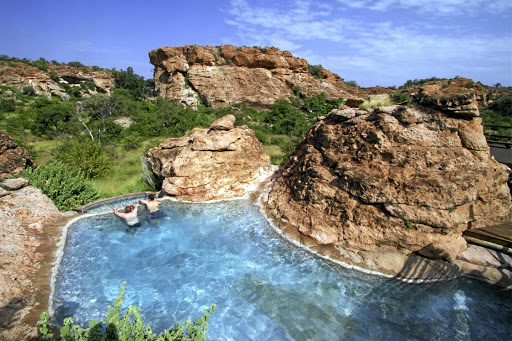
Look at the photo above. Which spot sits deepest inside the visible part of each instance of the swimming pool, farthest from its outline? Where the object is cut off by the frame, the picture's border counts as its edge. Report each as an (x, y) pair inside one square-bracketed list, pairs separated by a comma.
[(264, 287)]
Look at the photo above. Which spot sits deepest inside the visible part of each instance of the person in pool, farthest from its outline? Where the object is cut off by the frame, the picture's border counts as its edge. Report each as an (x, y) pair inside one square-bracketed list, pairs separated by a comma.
[(153, 206), (129, 216)]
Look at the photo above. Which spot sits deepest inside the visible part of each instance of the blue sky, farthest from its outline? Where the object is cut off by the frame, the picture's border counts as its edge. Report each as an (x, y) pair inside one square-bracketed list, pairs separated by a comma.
[(381, 42)]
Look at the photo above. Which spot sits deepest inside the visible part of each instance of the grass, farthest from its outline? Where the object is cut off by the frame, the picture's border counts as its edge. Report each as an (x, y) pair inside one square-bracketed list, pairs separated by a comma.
[(43, 150), (375, 103), (124, 176)]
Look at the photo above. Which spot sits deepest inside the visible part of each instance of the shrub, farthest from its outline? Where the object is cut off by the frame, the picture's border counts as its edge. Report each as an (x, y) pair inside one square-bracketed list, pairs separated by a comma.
[(260, 135), (54, 76), (7, 105), (75, 64), (42, 64), (375, 102), (352, 83), (67, 187), (288, 146), (127, 326), (85, 155), (28, 90), (87, 85), (316, 71), (400, 98)]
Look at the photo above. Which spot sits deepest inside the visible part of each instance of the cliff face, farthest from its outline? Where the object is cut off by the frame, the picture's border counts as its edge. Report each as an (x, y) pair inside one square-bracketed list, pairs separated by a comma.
[(226, 75), (216, 163), (51, 82), (395, 179)]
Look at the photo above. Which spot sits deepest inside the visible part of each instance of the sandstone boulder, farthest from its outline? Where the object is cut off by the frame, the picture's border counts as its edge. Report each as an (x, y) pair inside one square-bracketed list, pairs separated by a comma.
[(13, 158), (29, 234), (216, 163), (401, 179), (226, 75)]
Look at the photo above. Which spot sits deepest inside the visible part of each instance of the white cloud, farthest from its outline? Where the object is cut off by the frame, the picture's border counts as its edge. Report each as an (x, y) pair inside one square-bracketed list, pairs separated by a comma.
[(377, 50), (303, 20), (439, 7)]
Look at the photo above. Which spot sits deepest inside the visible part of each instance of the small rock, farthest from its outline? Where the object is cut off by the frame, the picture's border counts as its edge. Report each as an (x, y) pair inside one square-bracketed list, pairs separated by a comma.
[(13, 184), (224, 123)]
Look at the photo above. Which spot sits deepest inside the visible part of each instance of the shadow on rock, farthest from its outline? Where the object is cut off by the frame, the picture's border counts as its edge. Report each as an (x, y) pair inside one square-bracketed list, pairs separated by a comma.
[(8, 313)]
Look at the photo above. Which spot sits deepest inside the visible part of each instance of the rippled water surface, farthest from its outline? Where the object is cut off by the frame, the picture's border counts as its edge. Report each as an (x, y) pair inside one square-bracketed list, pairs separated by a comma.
[(264, 287)]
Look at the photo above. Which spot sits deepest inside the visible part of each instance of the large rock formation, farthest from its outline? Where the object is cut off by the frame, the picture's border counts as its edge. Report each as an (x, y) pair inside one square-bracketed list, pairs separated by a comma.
[(13, 158), (226, 75), (216, 163), (53, 80), (30, 230), (393, 181)]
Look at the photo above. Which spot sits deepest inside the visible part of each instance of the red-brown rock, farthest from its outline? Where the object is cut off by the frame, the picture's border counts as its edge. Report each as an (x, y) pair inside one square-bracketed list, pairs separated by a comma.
[(226, 75), (13, 158), (216, 163), (400, 179)]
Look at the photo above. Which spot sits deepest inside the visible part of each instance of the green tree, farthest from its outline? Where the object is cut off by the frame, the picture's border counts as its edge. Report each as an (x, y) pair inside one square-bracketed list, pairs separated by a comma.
[(96, 114), (130, 81), (53, 118), (86, 155), (284, 118)]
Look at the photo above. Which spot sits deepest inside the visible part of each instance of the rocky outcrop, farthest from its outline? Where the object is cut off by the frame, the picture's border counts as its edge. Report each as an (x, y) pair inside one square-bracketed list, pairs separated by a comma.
[(13, 158), (216, 163), (30, 231), (226, 75), (54, 80), (457, 90), (395, 180)]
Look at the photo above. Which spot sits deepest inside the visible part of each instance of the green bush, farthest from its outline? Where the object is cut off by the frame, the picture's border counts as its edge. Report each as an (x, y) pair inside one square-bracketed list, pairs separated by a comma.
[(352, 83), (28, 90), (7, 105), (127, 326), (316, 71), (260, 135), (53, 76), (67, 187), (85, 155), (42, 64), (75, 64), (400, 98)]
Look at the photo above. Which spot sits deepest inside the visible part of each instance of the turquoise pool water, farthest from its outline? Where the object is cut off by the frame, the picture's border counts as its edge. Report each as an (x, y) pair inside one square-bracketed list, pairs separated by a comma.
[(264, 287)]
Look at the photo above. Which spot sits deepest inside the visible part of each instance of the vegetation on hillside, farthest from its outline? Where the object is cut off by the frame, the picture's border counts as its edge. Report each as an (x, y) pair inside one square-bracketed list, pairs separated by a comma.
[(497, 118), (105, 136)]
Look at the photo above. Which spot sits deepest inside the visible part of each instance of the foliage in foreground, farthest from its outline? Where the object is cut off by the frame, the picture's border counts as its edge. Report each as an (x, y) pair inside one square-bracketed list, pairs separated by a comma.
[(67, 187), (128, 326)]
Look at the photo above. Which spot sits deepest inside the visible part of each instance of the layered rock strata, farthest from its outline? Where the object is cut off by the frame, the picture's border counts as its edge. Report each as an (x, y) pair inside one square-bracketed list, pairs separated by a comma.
[(53, 80), (13, 158), (220, 162), (30, 230), (226, 75), (372, 187)]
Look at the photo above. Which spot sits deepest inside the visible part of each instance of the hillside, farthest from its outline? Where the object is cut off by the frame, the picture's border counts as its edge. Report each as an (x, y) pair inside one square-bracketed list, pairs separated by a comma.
[(54, 79)]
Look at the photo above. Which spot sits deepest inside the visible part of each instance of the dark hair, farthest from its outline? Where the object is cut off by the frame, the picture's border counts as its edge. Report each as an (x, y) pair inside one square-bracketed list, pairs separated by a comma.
[(151, 197), (128, 208)]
